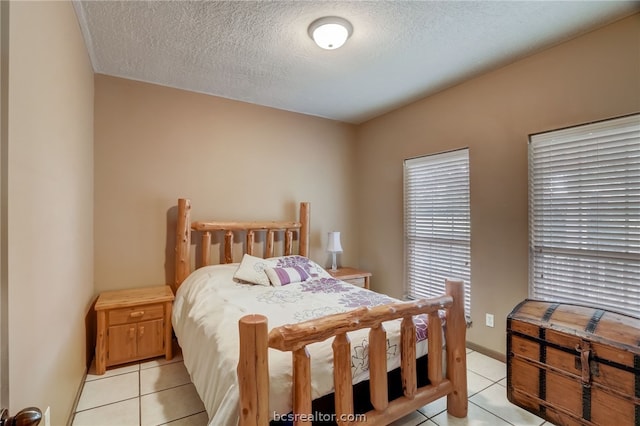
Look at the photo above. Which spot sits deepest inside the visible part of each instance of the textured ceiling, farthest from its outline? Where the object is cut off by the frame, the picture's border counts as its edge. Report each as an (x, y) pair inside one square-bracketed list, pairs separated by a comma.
[(260, 52)]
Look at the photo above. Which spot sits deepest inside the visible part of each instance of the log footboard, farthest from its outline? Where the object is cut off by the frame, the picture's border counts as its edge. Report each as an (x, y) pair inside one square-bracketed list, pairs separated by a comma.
[(255, 341)]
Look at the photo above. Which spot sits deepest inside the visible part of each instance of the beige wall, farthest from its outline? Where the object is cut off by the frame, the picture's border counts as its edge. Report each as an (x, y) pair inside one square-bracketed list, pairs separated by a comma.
[(233, 160), (50, 194), (240, 161), (592, 77)]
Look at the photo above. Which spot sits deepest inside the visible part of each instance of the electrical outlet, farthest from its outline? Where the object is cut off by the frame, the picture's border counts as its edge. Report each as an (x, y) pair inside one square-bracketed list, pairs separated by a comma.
[(47, 417), (489, 320)]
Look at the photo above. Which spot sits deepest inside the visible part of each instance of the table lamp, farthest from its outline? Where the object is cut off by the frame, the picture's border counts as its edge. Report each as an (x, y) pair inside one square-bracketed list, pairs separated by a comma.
[(334, 247)]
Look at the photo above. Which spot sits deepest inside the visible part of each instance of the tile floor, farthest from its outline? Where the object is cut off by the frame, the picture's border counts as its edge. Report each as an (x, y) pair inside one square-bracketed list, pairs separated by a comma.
[(159, 392)]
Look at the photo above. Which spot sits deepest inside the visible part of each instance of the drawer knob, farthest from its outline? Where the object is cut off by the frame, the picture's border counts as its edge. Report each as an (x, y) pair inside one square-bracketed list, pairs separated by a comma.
[(136, 314)]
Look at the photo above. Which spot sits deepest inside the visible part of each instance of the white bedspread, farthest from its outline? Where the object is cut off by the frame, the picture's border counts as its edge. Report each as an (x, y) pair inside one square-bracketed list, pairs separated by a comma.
[(206, 311)]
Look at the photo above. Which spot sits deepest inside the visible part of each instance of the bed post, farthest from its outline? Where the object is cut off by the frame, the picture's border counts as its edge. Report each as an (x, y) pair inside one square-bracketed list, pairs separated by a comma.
[(304, 229), (455, 336), (253, 371), (183, 242)]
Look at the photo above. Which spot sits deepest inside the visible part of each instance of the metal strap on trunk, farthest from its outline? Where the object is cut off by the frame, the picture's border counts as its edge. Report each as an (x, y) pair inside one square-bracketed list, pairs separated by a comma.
[(586, 402), (585, 354), (542, 376), (584, 348), (636, 366), (550, 310), (593, 322)]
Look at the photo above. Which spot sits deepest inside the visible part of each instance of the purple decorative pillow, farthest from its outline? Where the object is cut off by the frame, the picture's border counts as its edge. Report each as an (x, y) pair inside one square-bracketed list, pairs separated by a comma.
[(284, 276), (310, 267)]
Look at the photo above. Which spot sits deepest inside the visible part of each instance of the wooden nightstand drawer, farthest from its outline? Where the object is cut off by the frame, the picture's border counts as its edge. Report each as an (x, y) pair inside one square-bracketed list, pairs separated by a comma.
[(135, 314), (353, 276), (356, 281)]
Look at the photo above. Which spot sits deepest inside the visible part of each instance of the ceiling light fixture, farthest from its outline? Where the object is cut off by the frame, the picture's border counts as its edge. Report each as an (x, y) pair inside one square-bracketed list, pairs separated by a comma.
[(330, 32)]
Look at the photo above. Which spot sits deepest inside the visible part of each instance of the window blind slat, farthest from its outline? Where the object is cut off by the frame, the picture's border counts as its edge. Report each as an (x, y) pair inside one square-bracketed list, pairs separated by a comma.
[(584, 215), (437, 224)]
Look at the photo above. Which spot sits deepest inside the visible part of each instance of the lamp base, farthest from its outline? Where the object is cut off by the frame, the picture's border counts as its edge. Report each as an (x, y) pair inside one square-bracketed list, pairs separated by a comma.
[(334, 265)]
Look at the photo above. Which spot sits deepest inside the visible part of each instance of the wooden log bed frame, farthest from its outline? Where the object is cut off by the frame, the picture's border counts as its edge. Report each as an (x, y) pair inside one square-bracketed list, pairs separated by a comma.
[(256, 339)]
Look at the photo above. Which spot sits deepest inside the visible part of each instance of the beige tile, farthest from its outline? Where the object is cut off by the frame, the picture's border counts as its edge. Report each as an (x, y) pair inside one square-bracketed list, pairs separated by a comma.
[(428, 423), (485, 366), (168, 405), (412, 419), (434, 408), (469, 350), (111, 371), (156, 362), (108, 390), (503, 382), (476, 382), (163, 377), (124, 413), (476, 416), (494, 399), (200, 419)]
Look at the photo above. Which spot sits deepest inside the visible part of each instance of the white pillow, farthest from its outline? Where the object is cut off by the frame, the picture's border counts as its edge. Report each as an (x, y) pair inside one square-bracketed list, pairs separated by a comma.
[(284, 276), (252, 270)]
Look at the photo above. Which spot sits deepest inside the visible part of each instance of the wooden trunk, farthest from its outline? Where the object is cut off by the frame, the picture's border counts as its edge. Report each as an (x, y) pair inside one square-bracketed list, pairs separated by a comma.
[(574, 365)]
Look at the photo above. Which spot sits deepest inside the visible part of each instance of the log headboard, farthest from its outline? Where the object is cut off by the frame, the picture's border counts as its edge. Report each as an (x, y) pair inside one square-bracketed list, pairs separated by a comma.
[(185, 227)]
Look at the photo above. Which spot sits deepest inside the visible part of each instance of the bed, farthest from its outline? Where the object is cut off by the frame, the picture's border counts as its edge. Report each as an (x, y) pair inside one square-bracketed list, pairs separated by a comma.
[(264, 352)]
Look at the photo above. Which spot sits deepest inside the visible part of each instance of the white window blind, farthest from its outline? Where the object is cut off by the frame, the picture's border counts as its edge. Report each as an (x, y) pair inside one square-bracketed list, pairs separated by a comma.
[(437, 224), (584, 215)]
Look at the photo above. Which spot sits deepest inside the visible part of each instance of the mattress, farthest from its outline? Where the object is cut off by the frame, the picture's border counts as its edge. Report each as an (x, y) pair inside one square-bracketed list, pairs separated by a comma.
[(205, 317)]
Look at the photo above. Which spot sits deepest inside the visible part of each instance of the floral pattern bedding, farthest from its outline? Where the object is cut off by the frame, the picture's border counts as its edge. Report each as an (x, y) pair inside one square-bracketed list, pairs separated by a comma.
[(209, 304)]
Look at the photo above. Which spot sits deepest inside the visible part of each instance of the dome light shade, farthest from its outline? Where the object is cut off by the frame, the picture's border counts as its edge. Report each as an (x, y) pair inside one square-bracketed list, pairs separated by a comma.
[(330, 32)]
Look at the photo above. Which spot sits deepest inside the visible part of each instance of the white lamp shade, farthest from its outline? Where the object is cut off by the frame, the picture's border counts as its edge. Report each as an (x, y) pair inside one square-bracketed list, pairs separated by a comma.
[(330, 32), (334, 246)]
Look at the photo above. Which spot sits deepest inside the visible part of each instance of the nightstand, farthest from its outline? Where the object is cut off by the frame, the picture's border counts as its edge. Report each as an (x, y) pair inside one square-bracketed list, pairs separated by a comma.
[(352, 276), (132, 325)]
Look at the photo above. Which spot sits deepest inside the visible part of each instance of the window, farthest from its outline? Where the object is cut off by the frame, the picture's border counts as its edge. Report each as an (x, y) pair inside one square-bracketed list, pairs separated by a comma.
[(437, 224), (584, 215)]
